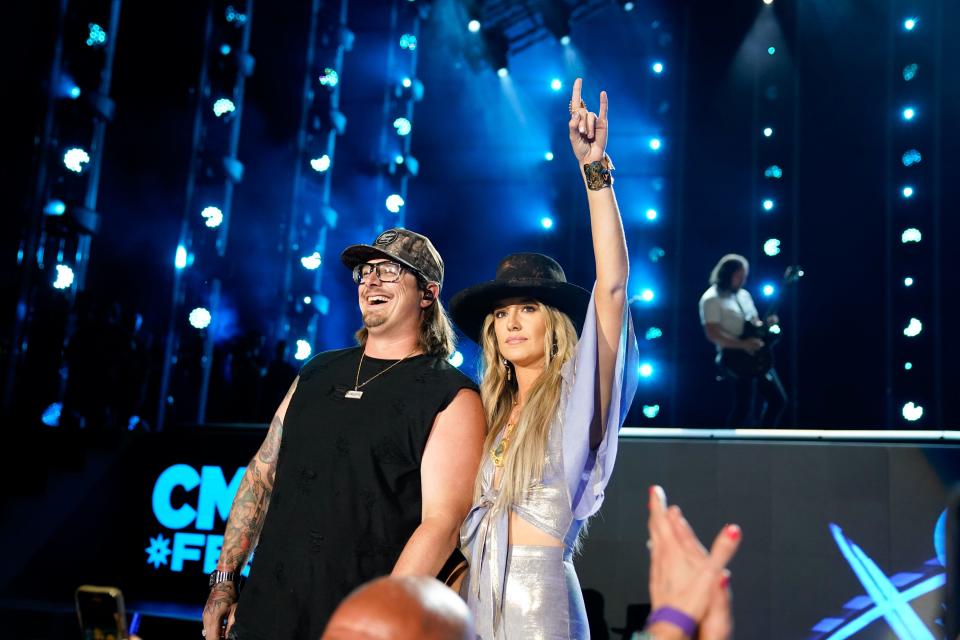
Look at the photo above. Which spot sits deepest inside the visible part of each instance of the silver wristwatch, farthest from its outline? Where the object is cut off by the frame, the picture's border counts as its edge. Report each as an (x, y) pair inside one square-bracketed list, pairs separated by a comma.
[(216, 577)]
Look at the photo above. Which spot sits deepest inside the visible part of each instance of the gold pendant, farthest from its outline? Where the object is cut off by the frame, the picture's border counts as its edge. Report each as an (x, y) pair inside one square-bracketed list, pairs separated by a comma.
[(497, 454)]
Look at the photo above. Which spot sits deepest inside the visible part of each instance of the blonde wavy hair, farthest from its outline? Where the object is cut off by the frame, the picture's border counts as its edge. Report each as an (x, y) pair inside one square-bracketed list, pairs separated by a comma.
[(525, 455)]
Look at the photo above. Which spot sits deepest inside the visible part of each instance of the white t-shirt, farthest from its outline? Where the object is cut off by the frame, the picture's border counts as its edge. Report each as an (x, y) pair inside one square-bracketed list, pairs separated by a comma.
[(722, 309)]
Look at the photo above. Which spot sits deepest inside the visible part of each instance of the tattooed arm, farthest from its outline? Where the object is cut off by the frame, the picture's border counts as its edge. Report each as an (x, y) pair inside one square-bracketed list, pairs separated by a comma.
[(244, 524)]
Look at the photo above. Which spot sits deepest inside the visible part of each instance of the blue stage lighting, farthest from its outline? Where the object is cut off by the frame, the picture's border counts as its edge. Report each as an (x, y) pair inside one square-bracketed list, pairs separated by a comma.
[(55, 208), (771, 50), (393, 202), (225, 49), (330, 77), (180, 260), (767, 132), (502, 72), (651, 411), (771, 247), (913, 328), (909, 113), (51, 415), (912, 412), (408, 41), (546, 222), (456, 359), (647, 295), (223, 106), (64, 277), (908, 281), (655, 144), (556, 85), (407, 83), (768, 204), (311, 261), (73, 92), (651, 214), (403, 126), (907, 192), (213, 216), (657, 67), (200, 318), (910, 24), (773, 171), (96, 36), (910, 71), (234, 16), (75, 159), (565, 40), (653, 333), (307, 299), (907, 366), (548, 156), (322, 163), (303, 350), (656, 254), (911, 235), (646, 370), (473, 26), (768, 290), (911, 157)]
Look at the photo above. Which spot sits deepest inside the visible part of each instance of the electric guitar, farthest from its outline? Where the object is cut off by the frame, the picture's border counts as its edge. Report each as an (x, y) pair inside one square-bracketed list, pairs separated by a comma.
[(756, 364)]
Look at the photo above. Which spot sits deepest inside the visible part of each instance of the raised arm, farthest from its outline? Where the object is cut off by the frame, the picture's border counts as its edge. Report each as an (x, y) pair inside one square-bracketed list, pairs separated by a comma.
[(245, 522), (588, 138), (447, 472)]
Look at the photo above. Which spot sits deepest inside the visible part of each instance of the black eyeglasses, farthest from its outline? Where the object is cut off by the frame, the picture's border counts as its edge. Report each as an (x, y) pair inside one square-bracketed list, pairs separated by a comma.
[(386, 271)]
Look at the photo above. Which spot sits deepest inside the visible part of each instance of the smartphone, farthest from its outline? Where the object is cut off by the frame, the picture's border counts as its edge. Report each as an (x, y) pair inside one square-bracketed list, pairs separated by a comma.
[(101, 613), (952, 543)]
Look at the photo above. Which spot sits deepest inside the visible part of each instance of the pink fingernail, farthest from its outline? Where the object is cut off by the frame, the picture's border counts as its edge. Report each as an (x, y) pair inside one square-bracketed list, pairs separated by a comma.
[(724, 582), (733, 532)]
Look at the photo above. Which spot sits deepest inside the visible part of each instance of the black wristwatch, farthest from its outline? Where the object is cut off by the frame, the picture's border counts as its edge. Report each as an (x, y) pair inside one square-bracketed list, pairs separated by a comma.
[(217, 576)]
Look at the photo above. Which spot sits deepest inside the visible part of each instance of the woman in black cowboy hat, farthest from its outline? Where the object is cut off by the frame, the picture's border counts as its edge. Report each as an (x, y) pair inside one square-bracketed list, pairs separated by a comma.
[(554, 403)]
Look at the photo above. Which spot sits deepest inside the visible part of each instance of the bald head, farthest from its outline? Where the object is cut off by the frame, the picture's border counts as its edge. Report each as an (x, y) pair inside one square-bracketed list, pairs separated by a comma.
[(401, 608)]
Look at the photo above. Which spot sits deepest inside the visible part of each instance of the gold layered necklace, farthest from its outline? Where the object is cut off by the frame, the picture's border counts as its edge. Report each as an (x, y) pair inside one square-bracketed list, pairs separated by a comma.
[(498, 453)]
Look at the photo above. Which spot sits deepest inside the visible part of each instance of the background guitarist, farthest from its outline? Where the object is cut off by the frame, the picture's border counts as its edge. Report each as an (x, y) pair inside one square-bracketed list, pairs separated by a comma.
[(725, 309)]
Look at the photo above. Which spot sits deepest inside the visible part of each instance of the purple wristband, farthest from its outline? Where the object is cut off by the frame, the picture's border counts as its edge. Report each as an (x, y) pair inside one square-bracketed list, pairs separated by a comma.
[(675, 617)]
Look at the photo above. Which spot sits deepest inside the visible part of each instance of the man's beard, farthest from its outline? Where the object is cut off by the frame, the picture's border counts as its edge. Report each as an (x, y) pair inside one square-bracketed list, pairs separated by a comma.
[(371, 319)]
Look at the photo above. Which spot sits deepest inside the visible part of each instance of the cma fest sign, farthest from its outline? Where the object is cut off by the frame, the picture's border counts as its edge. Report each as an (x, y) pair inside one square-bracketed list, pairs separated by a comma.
[(189, 504)]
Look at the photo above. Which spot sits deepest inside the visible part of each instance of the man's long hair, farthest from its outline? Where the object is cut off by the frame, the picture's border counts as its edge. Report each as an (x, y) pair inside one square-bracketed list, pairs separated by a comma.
[(436, 337), (722, 274)]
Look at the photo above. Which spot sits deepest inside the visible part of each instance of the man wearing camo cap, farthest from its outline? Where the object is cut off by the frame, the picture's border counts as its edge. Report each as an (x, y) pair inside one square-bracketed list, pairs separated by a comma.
[(368, 466)]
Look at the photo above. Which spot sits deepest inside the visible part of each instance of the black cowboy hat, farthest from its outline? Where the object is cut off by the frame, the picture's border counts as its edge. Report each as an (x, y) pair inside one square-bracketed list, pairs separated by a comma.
[(519, 275)]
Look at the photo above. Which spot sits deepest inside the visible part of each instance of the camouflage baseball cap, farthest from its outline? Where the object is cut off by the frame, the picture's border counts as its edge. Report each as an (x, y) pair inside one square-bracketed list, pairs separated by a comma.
[(409, 248)]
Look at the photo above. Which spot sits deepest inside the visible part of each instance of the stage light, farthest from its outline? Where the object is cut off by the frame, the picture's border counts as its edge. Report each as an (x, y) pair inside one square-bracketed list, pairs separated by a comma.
[(907, 366), (910, 24), (767, 1), (771, 50), (651, 410), (473, 26), (330, 77), (394, 202), (51, 415), (312, 261), (456, 359), (768, 205), (775, 329), (556, 85), (403, 126), (408, 41), (912, 412), (546, 222), (913, 328), (651, 214), (502, 72), (180, 260), (223, 106), (911, 235), (96, 36), (565, 40), (767, 132), (646, 370), (73, 92), (655, 144), (64, 277), (234, 16), (768, 290), (75, 158), (407, 83), (773, 171), (908, 282), (307, 299), (321, 164), (133, 422), (653, 333), (656, 254), (303, 350), (909, 113), (910, 72), (771, 247), (911, 157), (657, 67), (213, 216), (548, 156), (55, 208), (647, 295), (225, 49), (907, 192), (199, 318)]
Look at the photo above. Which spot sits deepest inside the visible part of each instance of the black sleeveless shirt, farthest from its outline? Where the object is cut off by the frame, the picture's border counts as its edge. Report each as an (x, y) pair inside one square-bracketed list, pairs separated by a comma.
[(347, 492)]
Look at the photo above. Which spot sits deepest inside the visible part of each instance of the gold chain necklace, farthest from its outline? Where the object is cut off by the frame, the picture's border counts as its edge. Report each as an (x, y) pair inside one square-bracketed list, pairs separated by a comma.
[(355, 393), (498, 453)]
